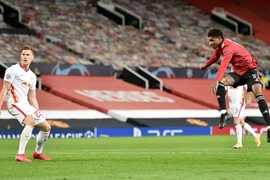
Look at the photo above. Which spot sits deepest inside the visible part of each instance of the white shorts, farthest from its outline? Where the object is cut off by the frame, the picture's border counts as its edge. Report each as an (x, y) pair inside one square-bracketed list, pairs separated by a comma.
[(21, 110), (237, 110)]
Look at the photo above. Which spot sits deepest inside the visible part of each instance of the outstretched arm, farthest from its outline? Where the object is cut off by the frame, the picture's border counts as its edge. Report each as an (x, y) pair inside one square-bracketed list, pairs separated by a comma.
[(214, 58)]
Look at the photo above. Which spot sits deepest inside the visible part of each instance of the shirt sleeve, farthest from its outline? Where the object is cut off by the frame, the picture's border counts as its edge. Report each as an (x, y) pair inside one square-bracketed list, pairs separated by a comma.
[(214, 58), (228, 53), (10, 75), (33, 85)]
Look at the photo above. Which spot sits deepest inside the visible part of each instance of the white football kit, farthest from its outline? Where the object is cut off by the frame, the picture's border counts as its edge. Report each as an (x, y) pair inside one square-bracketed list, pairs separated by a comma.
[(236, 99), (17, 97)]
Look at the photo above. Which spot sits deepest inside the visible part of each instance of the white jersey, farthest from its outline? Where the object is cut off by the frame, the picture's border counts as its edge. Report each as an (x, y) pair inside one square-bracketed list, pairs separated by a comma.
[(236, 95), (21, 82)]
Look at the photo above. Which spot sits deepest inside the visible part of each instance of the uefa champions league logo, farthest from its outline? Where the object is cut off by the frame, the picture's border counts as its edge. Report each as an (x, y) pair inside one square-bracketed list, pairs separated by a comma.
[(57, 70)]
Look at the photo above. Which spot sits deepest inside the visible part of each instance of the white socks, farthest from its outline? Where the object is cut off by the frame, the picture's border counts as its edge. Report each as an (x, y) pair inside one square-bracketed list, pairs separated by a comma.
[(41, 139), (250, 130), (239, 133), (25, 136)]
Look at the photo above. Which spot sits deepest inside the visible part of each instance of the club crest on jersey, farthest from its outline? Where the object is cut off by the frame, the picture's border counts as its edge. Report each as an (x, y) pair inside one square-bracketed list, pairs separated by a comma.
[(27, 84)]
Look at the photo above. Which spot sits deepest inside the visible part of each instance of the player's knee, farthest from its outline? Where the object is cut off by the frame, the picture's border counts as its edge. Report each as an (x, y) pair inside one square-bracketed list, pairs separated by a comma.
[(44, 126), (221, 84), (47, 128), (29, 120), (257, 89), (237, 121), (227, 80)]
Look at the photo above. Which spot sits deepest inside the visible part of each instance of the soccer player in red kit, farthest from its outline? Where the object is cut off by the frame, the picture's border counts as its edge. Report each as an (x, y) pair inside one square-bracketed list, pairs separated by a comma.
[(245, 72)]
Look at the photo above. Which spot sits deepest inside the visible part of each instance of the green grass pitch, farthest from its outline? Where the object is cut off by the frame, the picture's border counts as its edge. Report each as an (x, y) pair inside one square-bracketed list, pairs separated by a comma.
[(155, 158)]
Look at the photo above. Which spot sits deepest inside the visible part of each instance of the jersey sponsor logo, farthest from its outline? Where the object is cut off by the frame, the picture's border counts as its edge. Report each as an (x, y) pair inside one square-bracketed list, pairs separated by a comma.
[(27, 84)]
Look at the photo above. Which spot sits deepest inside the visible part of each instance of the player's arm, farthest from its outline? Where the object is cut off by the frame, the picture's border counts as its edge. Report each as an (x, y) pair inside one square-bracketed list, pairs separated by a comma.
[(221, 70), (8, 79), (33, 99), (214, 58), (3, 93), (223, 66), (32, 94)]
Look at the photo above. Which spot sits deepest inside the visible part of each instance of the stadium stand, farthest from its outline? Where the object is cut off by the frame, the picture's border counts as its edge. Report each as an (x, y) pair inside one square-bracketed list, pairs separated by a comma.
[(173, 35), (250, 10), (45, 52)]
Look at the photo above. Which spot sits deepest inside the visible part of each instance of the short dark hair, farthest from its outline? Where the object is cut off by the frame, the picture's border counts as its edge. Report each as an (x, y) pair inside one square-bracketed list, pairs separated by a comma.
[(215, 32), (28, 47)]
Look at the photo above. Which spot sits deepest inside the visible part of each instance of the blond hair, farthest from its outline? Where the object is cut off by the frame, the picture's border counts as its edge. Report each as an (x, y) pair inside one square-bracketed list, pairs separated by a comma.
[(28, 47)]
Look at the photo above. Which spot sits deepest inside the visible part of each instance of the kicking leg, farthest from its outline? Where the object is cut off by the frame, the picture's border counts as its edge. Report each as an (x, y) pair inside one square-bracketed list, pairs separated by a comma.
[(221, 92), (248, 128)]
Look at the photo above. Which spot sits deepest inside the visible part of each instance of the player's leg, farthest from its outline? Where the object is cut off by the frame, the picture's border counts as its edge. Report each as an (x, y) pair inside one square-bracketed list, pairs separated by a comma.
[(248, 128), (20, 112), (235, 110), (24, 139), (43, 135), (239, 133), (227, 80), (257, 91), (255, 85), (241, 116)]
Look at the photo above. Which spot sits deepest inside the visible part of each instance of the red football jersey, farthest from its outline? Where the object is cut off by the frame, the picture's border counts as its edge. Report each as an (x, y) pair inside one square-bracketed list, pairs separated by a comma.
[(235, 54)]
